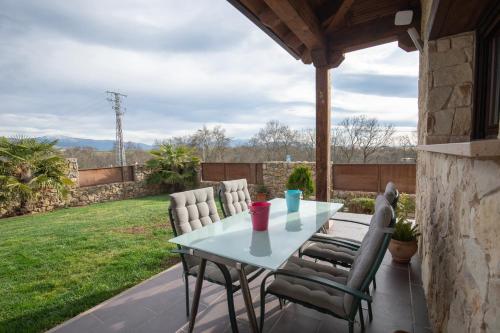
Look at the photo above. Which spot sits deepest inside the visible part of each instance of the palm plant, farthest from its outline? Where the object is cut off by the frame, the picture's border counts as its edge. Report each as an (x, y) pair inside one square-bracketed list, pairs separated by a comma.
[(173, 165), (404, 230), (29, 167)]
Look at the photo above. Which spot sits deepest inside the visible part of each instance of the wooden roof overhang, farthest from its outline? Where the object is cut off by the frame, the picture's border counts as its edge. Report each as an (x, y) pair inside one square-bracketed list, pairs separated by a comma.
[(321, 31)]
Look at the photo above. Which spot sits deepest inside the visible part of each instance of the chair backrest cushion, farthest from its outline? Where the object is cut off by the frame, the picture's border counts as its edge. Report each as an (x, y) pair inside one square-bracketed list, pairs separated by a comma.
[(193, 209), (234, 196), (370, 248), (391, 194)]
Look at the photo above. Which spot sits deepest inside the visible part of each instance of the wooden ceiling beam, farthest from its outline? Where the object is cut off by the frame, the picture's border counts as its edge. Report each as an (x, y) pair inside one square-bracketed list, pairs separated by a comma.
[(338, 18), (301, 20), (405, 42), (376, 32), (291, 39), (269, 18)]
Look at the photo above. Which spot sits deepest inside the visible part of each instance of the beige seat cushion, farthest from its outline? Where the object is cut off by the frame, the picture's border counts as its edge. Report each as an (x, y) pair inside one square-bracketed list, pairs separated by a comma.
[(193, 209), (235, 196), (329, 251), (309, 292)]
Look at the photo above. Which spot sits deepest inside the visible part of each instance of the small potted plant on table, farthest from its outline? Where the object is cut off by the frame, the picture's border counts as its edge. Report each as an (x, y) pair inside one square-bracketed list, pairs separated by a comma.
[(262, 193), (404, 244)]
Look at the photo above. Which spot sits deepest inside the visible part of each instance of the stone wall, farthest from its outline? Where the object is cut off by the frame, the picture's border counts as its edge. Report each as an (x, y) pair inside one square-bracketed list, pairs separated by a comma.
[(458, 209), (81, 196), (448, 107), (275, 175), (458, 198)]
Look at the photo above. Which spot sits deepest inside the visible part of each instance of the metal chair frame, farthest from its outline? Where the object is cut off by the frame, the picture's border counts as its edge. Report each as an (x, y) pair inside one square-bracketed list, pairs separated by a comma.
[(230, 287), (358, 295)]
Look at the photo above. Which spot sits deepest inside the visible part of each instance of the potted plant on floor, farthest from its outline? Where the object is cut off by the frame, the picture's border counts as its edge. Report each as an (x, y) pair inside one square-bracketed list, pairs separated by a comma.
[(404, 244), (262, 193)]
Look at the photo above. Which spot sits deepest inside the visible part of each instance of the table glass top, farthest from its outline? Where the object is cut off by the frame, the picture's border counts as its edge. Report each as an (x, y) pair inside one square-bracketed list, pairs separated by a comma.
[(234, 238)]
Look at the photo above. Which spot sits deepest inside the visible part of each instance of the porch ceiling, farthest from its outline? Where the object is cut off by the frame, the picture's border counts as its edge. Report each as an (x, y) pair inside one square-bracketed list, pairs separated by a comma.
[(321, 31)]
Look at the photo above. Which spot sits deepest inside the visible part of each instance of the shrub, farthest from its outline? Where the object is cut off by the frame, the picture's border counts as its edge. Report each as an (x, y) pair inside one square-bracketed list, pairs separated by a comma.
[(361, 205), (171, 165), (301, 179), (29, 167)]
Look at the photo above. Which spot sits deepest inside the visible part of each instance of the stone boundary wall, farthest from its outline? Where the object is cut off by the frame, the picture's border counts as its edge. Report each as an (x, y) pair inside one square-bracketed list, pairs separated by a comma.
[(82, 196), (275, 175)]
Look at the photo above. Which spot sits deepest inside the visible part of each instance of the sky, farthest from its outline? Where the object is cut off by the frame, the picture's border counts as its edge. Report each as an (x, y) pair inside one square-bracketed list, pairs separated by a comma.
[(183, 64)]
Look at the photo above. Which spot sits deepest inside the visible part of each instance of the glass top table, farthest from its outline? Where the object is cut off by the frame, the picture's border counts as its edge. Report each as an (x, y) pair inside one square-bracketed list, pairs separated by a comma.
[(233, 237)]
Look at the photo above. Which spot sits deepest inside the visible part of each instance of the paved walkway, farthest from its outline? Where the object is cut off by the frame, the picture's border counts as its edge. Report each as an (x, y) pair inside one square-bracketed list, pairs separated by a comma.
[(157, 305)]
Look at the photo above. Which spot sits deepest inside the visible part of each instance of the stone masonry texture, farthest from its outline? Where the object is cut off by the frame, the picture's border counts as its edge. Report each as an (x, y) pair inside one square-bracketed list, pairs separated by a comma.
[(458, 198)]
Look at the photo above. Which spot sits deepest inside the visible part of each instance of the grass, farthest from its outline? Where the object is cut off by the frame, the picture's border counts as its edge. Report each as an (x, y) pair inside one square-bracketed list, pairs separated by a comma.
[(55, 265)]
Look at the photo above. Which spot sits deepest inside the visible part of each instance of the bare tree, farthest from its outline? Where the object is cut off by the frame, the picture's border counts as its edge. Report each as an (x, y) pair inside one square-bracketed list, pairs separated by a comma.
[(408, 143), (360, 134), (307, 140), (276, 139), (347, 137), (373, 136), (212, 143)]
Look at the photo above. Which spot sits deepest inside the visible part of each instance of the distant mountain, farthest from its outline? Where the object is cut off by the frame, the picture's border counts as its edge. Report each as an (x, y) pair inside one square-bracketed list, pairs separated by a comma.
[(239, 142), (68, 142)]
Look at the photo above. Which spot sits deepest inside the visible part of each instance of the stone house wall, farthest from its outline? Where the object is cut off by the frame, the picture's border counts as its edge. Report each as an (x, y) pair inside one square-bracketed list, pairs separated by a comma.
[(458, 198)]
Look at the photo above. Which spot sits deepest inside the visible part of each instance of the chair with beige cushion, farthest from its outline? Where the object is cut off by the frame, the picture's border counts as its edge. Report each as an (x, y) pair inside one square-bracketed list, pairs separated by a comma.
[(191, 210), (331, 290), (340, 250), (234, 196)]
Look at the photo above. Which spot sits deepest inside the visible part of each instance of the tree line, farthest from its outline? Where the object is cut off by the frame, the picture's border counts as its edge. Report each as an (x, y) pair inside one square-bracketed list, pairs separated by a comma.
[(357, 139)]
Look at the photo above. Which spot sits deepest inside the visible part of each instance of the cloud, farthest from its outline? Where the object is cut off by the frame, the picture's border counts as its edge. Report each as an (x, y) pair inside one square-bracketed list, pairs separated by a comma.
[(182, 64)]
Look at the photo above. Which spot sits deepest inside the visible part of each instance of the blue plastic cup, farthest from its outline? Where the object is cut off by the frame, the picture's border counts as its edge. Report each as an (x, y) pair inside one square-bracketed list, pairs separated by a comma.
[(293, 200)]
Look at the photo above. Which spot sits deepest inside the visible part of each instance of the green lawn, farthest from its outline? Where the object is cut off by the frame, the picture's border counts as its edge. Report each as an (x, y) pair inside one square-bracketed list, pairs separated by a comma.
[(55, 265)]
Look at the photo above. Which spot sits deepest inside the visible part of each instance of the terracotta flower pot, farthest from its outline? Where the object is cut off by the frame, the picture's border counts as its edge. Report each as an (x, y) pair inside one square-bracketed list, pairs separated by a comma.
[(261, 197), (402, 251)]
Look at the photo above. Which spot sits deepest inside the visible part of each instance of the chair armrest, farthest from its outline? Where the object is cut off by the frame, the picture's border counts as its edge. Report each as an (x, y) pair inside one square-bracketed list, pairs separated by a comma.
[(351, 221), (334, 241), (325, 282)]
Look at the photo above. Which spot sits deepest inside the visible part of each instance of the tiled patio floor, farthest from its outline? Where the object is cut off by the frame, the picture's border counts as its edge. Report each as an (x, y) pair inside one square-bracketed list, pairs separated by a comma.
[(157, 305)]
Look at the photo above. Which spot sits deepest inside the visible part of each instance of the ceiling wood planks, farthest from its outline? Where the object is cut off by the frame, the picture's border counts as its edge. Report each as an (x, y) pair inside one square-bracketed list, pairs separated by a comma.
[(450, 17), (321, 31), (339, 16)]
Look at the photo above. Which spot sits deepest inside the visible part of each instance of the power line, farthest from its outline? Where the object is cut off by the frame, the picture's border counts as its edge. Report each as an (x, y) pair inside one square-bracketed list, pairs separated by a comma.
[(116, 100)]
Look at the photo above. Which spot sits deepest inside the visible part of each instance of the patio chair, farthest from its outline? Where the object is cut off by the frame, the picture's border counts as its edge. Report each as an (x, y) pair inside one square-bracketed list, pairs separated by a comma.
[(191, 210), (332, 290), (234, 196), (341, 250)]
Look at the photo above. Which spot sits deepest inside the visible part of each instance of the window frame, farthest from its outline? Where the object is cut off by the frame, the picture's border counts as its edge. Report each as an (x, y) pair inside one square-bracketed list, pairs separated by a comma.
[(486, 82)]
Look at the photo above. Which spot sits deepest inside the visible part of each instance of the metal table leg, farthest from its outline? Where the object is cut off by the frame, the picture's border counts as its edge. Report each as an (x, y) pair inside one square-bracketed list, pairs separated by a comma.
[(197, 293), (245, 291)]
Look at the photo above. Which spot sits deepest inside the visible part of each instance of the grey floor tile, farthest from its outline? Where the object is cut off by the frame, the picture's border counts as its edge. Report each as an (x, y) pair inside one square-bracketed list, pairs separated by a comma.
[(415, 270), (87, 323), (120, 317), (292, 321), (419, 306), (158, 305)]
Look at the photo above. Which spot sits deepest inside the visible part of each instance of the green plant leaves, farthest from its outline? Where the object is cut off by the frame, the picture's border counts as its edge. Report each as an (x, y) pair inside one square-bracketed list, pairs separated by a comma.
[(301, 179), (173, 165)]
